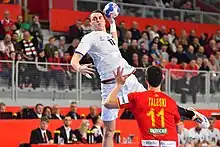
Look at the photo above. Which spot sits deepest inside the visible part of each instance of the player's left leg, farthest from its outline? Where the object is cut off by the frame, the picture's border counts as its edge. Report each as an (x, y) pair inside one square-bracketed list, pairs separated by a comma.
[(109, 128)]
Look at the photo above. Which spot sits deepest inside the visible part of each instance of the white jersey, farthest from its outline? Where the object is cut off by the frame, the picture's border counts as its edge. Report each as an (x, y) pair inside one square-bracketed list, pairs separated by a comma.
[(105, 53), (183, 137), (199, 136), (214, 135)]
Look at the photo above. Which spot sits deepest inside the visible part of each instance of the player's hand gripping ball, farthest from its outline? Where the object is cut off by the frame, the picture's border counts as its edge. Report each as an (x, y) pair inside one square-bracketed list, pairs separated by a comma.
[(111, 9)]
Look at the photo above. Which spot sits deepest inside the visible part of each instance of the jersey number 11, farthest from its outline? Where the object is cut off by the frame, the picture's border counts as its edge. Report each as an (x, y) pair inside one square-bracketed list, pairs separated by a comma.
[(160, 114), (112, 41)]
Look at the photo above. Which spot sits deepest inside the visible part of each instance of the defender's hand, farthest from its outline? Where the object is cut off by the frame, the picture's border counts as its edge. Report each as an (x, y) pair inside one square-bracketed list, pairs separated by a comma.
[(119, 78)]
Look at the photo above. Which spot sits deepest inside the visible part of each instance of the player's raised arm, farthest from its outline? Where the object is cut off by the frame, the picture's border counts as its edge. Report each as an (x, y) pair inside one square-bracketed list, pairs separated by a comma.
[(81, 50), (113, 29)]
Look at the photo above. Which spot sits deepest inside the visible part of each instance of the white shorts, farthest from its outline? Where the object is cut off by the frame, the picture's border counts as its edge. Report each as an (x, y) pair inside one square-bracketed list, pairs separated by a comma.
[(131, 85)]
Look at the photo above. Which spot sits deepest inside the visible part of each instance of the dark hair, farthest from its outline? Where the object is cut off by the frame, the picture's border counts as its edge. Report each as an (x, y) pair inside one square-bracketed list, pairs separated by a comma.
[(154, 76), (95, 119), (44, 118), (98, 11), (2, 104), (73, 103), (39, 105), (45, 108)]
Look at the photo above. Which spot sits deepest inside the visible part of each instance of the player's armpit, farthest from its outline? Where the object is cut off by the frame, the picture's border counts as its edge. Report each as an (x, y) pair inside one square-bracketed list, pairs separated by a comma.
[(177, 115)]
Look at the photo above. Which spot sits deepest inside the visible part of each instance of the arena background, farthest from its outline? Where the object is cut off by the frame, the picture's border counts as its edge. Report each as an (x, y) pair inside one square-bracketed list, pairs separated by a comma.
[(56, 17)]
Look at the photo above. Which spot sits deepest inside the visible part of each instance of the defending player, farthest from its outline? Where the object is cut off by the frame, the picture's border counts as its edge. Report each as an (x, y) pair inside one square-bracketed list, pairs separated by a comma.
[(103, 48), (156, 113)]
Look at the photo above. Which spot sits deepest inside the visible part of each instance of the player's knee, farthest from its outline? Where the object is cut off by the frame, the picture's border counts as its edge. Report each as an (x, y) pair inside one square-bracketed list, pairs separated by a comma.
[(109, 132)]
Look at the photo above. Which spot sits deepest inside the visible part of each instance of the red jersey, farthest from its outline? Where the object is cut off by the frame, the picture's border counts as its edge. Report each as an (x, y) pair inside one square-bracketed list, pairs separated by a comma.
[(157, 115)]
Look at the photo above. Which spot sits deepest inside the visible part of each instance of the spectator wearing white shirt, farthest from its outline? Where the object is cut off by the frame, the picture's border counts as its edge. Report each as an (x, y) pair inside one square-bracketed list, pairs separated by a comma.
[(6, 46), (199, 134), (56, 113), (65, 131), (97, 129), (171, 35), (213, 133), (153, 32), (183, 134)]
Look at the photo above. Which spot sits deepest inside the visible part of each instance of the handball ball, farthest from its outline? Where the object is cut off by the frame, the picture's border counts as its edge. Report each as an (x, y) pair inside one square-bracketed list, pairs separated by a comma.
[(111, 8)]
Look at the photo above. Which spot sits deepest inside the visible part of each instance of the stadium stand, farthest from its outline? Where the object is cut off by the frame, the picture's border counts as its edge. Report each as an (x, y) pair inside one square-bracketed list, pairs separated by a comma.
[(188, 52)]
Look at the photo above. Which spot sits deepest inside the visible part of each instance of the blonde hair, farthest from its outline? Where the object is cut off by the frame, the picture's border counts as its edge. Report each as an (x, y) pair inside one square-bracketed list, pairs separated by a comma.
[(83, 126)]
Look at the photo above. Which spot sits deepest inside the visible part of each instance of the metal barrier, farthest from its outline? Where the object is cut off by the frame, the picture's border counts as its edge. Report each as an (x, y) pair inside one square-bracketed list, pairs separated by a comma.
[(7, 69), (59, 81), (152, 11), (214, 3)]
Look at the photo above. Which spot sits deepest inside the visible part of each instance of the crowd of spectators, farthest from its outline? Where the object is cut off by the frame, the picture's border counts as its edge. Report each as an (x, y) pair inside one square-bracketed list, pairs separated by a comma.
[(66, 134), (152, 46)]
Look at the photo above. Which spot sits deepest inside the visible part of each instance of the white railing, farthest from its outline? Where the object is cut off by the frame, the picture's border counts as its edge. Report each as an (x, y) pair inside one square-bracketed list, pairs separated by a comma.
[(59, 81)]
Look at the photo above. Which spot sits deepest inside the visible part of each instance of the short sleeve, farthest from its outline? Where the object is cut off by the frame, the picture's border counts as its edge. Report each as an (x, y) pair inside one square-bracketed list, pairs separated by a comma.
[(84, 45), (128, 103)]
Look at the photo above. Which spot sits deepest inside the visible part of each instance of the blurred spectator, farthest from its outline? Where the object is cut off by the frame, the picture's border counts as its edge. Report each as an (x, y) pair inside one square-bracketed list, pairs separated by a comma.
[(122, 29), (127, 114), (97, 129), (213, 133), (47, 111), (203, 40), (155, 53), (36, 32), (135, 31), (81, 133), (62, 46), (38, 111), (144, 41), (86, 26), (27, 47), (124, 51), (164, 54), (50, 47), (135, 60), (190, 53), (75, 31), (19, 22), (195, 44), (41, 135), (183, 39), (133, 48), (6, 46), (174, 45), (191, 36), (172, 35), (57, 71), (199, 134), (56, 113), (42, 69), (162, 31), (65, 131), (2, 107), (14, 40), (183, 133), (128, 37), (73, 46), (210, 48), (7, 23), (180, 55), (153, 32), (145, 61), (164, 42), (217, 36), (73, 111), (93, 112), (200, 52)]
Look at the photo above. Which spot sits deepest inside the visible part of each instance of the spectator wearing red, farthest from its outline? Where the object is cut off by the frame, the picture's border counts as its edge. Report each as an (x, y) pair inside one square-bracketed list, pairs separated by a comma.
[(57, 71), (135, 31), (7, 23), (6, 46)]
